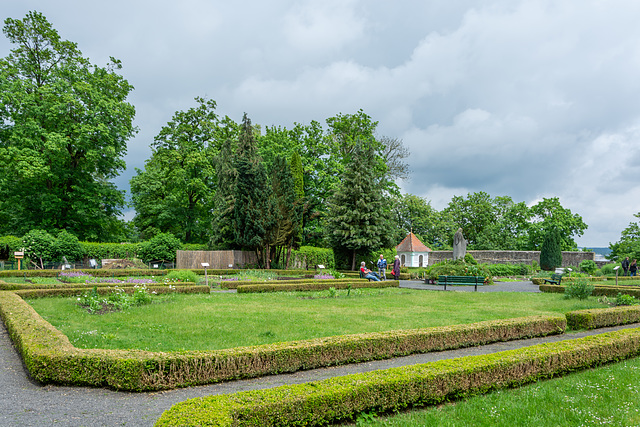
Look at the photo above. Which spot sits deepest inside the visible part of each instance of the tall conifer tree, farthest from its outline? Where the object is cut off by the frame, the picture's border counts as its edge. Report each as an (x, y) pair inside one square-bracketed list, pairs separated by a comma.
[(357, 219)]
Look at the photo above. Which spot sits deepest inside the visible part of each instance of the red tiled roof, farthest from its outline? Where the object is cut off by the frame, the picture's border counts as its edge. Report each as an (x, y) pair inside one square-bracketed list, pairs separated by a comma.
[(412, 244)]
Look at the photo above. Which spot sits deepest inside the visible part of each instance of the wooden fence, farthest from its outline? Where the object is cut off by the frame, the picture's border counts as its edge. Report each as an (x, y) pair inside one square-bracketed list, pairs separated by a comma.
[(216, 259)]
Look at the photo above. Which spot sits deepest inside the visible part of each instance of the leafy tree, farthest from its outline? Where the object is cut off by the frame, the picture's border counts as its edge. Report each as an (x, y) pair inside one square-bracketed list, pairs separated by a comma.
[(223, 236), (64, 126), (549, 214), (551, 252), (175, 191), (474, 214), (161, 247), (357, 219), (629, 243), (413, 213)]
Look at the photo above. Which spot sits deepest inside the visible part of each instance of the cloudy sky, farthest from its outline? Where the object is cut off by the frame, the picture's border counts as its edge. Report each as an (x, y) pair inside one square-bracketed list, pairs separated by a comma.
[(527, 99)]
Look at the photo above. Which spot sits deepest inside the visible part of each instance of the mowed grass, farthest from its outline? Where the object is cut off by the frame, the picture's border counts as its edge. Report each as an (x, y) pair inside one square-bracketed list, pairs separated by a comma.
[(602, 396), (227, 320)]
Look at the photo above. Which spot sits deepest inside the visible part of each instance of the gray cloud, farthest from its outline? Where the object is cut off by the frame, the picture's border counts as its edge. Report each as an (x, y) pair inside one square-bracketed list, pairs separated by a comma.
[(528, 99)]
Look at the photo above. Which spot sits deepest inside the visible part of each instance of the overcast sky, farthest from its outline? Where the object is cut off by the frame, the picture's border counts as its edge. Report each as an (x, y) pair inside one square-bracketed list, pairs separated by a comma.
[(527, 99)]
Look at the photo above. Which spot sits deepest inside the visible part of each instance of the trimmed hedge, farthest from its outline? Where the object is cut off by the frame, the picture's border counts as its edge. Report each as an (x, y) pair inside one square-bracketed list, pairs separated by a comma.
[(179, 288), (603, 317), (598, 290), (342, 398), (83, 286), (51, 359), (315, 285), (234, 284)]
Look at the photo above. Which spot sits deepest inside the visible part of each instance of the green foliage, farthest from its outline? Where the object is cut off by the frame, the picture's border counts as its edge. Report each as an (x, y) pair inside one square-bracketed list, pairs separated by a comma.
[(67, 245), (39, 246), (64, 126), (415, 214), (162, 247), (458, 268), (174, 193), (468, 258), (116, 300), (310, 256), (624, 299), (184, 276), (549, 214), (580, 289), (588, 266), (608, 270), (629, 243), (510, 269), (357, 217), (550, 253)]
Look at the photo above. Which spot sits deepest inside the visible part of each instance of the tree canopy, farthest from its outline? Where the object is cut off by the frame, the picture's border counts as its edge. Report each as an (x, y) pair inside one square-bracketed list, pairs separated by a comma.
[(64, 126)]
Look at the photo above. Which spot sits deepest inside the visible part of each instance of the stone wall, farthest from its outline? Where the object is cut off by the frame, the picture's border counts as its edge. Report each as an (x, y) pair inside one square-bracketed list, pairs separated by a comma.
[(513, 257)]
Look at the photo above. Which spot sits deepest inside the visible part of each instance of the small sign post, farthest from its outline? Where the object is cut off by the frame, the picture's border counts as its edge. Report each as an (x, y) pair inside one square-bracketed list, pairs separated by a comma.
[(206, 279), (18, 255)]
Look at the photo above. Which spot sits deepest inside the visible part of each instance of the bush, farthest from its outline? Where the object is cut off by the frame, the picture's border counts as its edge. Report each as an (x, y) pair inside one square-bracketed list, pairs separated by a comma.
[(581, 289), (588, 266), (67, 245), (184, 276), (162, 247), (623, 299), (39, 246), (309, 257), (608, 269), (458, 268), (510, 269)]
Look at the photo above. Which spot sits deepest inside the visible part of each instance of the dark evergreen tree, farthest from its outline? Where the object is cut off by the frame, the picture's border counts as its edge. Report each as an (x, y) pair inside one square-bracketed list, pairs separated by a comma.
[(551, 252), (252, 211), (357, 219), (223, 236), (287, 212)]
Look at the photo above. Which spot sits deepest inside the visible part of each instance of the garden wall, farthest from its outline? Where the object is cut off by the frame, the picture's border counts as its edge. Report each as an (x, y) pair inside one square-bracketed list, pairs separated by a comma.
[(216, 259), (513, 257)]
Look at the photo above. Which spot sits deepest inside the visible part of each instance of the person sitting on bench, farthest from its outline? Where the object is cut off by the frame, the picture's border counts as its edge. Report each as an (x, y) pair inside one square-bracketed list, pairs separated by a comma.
[(368, 274)]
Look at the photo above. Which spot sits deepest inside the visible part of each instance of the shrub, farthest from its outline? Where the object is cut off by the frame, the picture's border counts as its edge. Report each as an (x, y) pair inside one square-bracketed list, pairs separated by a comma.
[(184, 276), (162, 246), (580, 289), (608, 270), (39, 246), (457, 268), (309, 256), (67, 245), (469, 259), (623, 299), (588, 266)]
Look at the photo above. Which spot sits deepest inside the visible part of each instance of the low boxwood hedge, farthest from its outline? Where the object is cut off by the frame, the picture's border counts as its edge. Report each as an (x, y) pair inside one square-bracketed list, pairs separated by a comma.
[(235, 284), (342, 398), (179, 288), (598, 290), (603, 317), (315, 285), (50, 357)]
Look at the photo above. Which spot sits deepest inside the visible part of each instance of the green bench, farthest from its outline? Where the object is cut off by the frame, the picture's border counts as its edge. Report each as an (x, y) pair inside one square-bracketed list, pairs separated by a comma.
[(555, 279), (461, 280)]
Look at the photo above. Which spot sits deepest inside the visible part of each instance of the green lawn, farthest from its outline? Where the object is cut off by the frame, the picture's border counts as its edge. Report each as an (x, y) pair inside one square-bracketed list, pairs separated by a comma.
[(603, 396), (226, 320)]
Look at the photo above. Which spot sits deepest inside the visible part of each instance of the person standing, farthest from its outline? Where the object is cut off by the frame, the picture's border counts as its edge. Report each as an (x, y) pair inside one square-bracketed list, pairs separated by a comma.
[(625, 265), (633, 267), (396, 268), (382, 267)]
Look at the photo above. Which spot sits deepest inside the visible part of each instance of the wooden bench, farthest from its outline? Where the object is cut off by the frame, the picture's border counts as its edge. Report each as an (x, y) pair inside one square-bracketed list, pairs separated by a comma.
[(461, 280), (555, 279)]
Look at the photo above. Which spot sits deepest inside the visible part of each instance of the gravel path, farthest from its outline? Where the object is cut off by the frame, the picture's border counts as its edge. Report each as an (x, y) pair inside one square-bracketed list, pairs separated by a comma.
[(25, 403)]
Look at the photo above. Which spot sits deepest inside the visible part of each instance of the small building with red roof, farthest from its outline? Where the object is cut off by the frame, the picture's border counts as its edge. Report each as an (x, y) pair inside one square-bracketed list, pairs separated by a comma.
[(412, 252)]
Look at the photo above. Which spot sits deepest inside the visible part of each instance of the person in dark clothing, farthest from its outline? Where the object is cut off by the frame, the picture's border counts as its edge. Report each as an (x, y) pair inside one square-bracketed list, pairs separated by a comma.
[(396, 268), (625, 265), (633, 267)]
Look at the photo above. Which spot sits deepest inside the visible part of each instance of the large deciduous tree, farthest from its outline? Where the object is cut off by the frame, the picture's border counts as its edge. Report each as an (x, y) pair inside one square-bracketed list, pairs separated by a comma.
[(64, 126), (175, 192), (548, 214)]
